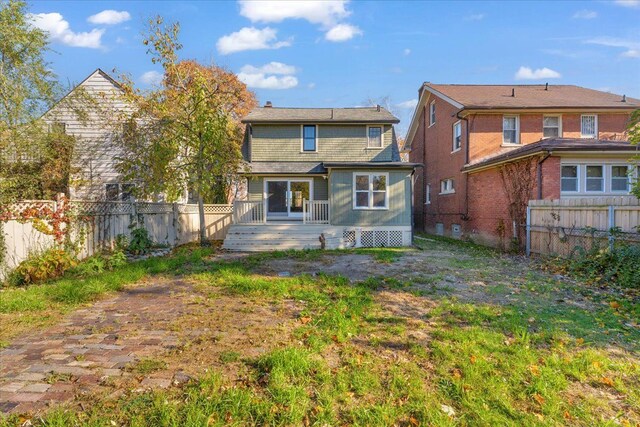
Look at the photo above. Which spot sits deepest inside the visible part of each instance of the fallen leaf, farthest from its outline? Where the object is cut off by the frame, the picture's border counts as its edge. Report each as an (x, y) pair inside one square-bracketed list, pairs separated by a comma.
[(540, 417), (538, 398), (448, 410), (595, 364), (472, 359), (580, 341), (457, 373), (413, 421), (614, 304), (535, 371), (566, 415), (304, 320), (532, 319), (607, 381)]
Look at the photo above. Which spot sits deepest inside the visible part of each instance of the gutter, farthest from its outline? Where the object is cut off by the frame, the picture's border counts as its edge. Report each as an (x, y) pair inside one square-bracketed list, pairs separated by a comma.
[(539, 172), (465, 215)]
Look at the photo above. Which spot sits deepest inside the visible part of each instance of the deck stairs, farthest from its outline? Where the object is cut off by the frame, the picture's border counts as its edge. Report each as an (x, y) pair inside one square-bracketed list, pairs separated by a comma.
[(278, 237)]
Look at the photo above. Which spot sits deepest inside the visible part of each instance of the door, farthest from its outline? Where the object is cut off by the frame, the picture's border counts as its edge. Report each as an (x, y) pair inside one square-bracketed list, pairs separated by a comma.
[(285, 197)]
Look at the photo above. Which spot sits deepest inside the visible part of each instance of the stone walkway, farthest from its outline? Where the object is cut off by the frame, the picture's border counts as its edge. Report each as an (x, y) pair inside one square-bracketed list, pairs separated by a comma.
[(92, 346)]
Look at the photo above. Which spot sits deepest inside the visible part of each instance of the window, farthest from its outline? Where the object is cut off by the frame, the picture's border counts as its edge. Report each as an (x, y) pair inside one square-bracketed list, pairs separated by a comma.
[(119, 192), (595, 178), (427, 193), (446, 186), (551, 127), (374, 137), (569, 178), (589, 126), (370, 190), (432, 113), (620, 178), (309, 138), (457, 135), (112, 192), (510, 133)]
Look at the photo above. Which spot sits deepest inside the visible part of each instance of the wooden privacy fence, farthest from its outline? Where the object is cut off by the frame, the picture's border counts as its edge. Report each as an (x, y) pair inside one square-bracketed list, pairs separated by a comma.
[(170, 224), (562, 227)]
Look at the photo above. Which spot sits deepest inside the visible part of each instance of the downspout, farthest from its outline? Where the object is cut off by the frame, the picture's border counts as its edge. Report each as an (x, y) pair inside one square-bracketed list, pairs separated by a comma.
[(539, 173), (465, 215)]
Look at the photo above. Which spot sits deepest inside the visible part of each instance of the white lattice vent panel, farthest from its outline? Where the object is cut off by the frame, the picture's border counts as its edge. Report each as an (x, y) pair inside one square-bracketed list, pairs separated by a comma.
[(395, 238), (381, 238), (349, 237), (377, 237), (367, 239)]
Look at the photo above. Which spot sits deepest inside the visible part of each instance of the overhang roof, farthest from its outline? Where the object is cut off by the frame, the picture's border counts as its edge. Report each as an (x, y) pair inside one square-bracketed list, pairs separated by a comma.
[(287, 168), (552, 145), (371, 165), (378, 115)]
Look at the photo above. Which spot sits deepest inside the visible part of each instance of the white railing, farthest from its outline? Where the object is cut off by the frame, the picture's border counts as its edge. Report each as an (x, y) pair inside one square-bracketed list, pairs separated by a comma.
[(315, 211), (248, 212)]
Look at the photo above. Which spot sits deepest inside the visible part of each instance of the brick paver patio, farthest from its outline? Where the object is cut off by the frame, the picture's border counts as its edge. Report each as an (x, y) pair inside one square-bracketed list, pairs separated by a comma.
[(91, 346)]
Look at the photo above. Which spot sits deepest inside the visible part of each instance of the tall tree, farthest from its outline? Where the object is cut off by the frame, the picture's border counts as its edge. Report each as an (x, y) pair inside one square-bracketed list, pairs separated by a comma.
[(186, 134)]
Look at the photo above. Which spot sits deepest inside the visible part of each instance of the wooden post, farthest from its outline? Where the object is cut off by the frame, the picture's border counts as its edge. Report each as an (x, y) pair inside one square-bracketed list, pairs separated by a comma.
[(176, 224), (612, 224), (528, 243)]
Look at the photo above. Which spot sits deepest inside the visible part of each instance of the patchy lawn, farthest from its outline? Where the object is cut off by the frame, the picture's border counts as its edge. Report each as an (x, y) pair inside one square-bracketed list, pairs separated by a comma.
[(446, 334)]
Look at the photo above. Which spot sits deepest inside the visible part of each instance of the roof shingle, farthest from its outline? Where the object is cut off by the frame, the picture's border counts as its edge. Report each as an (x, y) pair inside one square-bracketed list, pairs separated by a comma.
[(320, 115)]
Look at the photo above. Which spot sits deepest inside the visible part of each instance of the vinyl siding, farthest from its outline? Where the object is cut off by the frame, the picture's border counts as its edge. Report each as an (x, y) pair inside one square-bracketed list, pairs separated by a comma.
[(334, 143), (256, 187), (399, 193)]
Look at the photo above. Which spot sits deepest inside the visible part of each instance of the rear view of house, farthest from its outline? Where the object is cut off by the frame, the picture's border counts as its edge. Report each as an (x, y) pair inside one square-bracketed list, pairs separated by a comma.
[(319, 177), (485, 146)]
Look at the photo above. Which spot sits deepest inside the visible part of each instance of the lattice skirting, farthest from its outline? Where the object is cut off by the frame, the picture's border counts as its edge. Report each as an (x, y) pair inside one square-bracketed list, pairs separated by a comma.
[(376, 237)]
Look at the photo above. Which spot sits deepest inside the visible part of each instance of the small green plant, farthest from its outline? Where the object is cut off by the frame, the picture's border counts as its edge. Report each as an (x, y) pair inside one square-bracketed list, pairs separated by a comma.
[(41, 266), (117, 259), (146, 366), (229, 356), (140, 241)]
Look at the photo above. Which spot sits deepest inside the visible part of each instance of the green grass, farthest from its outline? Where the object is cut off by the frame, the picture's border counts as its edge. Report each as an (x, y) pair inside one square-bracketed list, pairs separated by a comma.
[(526, 362), (146, 366)]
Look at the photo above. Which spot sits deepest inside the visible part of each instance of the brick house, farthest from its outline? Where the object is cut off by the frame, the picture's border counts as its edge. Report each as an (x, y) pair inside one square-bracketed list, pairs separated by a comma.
[(481, 144)]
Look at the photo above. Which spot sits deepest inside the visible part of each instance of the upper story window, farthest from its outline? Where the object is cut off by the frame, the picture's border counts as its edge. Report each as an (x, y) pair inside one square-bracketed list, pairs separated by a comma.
[(589, 126), (510, 129), (309, 138), (551, 127), (432, 113), (374, 137), (446, 186), (370, 190), (119, 192), (457, 135)]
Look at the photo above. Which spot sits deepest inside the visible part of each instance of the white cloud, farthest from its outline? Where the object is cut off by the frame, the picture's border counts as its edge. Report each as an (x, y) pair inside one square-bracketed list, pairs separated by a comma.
[(59, 30), (526, 73), (632, 47), (628, 3), (311, 85), (109, 17), (326, 13), (585, 14), (475, 17), (151, 78), (250, 38), (406, 52), (274, 75), (410, 104), (342, 32)]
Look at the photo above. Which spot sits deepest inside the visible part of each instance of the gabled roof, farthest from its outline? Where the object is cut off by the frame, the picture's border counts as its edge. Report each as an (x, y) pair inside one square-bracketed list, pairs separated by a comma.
[(552, 145), (531, 96), (499, 97), (320, 115)]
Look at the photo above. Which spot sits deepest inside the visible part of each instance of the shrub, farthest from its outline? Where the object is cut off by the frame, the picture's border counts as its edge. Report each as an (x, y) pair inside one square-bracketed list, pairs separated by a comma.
[(620, 265), (42, 266), (140, 241), (99, 263)]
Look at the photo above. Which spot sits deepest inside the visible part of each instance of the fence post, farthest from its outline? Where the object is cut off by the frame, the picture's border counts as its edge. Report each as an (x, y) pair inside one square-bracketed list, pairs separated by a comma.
[(176, 227), (612, 224), (528, 244)]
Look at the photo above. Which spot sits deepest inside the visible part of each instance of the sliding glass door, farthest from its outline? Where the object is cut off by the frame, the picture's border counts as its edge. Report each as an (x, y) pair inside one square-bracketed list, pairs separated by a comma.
[(284, 198)]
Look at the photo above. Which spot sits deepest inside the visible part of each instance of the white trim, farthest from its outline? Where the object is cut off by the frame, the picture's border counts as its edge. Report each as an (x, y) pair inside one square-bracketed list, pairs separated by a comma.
[(453, 139), (370, 191), (595, 135), (381, 137), (288, 181), (432, 114), (452, 190), (607, 176), (578, 180), (427, 192), (629, 178), (559, 116), (603, 178), (517, 129), (302, 150)]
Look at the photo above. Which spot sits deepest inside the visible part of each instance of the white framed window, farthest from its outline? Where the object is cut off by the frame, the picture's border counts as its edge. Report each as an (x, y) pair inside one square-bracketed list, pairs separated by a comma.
[(115, 192), (510, 130), (569, 178), (589, 126), (620, 178), (374, 136), (457, 136), (309, 138), (446, 186), (427, 195), (370, 190), (432, 113), (594, 178), (552, 126)]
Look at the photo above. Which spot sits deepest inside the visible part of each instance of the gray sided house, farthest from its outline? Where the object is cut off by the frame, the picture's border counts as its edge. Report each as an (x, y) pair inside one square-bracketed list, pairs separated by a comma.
[(322, 177)]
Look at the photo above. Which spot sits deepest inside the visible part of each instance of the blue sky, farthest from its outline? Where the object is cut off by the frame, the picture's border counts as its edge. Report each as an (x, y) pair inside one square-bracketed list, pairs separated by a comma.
[(341, 54)]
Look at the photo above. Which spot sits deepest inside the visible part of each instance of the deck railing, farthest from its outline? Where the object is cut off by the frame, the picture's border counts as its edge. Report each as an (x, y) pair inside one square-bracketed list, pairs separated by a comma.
[(315, 211), (248, 212)]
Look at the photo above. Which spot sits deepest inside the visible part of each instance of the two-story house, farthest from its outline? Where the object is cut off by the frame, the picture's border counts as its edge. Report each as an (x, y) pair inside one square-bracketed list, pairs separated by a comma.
[(322, 177), (573, 139)]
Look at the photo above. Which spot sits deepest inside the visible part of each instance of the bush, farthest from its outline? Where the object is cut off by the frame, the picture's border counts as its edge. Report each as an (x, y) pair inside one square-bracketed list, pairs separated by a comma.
[(140, 241), (621, 265), (42, 266), (99, 263)]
